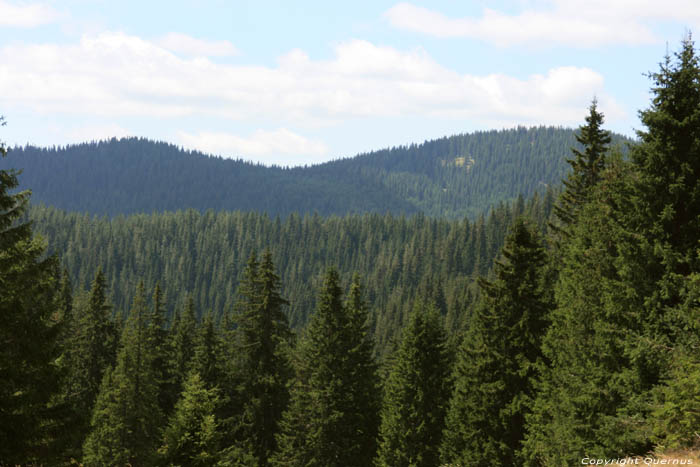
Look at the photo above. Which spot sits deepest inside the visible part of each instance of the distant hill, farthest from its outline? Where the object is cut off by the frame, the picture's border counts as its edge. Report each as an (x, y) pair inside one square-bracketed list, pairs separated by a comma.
[(452, 176)]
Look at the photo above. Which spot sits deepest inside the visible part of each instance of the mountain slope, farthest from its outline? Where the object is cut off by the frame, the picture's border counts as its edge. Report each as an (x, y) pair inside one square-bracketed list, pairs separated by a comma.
[(452, 176)]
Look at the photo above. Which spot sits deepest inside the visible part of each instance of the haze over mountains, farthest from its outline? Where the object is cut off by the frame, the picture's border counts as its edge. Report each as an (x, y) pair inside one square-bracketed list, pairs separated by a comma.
[(454, 176)]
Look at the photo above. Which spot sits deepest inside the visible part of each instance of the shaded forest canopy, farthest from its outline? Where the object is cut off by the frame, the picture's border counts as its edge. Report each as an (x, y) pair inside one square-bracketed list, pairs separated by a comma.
[(456, 176), (204, 254)]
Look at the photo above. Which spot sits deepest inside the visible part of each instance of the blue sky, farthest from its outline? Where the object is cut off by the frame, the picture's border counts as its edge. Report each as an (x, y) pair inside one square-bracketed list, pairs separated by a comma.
[(295, 83)]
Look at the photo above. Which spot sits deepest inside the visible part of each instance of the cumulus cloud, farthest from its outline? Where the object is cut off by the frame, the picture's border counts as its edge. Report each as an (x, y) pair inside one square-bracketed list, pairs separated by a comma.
[(583, 23), (26, 15), (94, 132), (192, 47), (261, 145), (115, 74)]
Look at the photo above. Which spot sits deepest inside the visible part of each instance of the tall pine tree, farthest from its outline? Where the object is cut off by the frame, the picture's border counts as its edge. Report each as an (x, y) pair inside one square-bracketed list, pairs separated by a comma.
[(332, 417), (207, 351), (29, 304), (587, 166), (667, 203), (127, 416), (590, 376), (193, 435), (159, 346), (265, 368), (91, 350), (498, 357), (416, 394), (182, 342)]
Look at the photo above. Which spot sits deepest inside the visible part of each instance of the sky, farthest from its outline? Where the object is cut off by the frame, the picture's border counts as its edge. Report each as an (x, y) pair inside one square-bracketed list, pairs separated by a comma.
[(301, 82)]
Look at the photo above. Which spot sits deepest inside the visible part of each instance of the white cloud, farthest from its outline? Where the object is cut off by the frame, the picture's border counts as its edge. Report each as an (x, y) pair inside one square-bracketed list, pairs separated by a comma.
[(583, 23), (114, 74), (94, 132), (26, 15), (193, 47), (276, 143)]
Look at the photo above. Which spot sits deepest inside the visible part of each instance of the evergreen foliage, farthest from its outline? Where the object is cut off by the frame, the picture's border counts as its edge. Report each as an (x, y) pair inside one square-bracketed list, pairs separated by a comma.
[(206, 360), (127, 417), (182, 342), (90, 351), (416, 393), (626, 295), (29, 333), (667, 158), (579, 410), (204, 255), (675, 406), (332, 419), (158, 343), (676, 412), (262, 351), (454, 176), (586, 166), (497, 361), (192, 436), (667, 207)]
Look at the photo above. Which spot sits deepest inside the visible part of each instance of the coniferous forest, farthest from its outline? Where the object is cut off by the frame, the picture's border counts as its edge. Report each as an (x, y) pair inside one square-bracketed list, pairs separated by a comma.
[(534, 330), (463, 175)]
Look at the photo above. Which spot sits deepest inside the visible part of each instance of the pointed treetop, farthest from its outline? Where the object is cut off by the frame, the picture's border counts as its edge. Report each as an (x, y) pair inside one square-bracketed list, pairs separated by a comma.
[(587, 166)]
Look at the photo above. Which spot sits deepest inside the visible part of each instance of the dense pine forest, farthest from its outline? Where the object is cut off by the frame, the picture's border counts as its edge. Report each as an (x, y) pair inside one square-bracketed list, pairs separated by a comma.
[(204, 255), (452, 177), (557, 329)]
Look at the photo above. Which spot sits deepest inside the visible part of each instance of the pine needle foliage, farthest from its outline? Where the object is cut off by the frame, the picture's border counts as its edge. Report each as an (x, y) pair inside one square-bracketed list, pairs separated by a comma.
[(498, 358), (332, 419), (416, 393)]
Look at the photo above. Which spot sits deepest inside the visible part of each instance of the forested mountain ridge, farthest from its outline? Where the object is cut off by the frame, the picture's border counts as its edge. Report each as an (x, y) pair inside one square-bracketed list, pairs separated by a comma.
[(452, 176)]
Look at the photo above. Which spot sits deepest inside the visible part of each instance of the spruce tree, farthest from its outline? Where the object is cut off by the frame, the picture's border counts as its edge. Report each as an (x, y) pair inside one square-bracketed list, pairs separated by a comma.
[(667, 203), (66, 308), (29, 304), (265, 368), (363, 383), (498, 357), (587, 166), (668, 158), (61, 431), (192, 436), (591, 393), (94, 345), (158, 345), (183, 336), (206, 359), (331, 420), (126, 419), (91, 350), (416, 394), (624, 289), (666, 199)]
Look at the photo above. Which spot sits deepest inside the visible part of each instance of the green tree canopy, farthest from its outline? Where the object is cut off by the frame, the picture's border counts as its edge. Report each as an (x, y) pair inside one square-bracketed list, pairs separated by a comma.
[(192, 436), (127, 416), (416, 393), (497, 360), (587, 166), (332, 418), (265, 368), (29, 307)]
